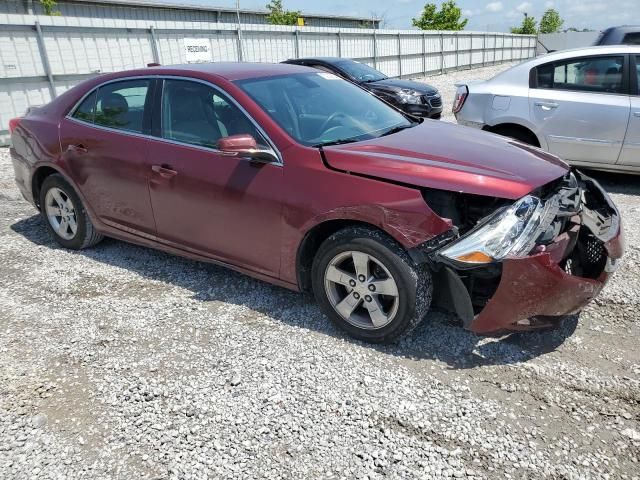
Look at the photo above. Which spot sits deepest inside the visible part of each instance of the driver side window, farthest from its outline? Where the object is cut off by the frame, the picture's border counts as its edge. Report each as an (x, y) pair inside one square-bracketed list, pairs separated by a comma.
[(198, 114)]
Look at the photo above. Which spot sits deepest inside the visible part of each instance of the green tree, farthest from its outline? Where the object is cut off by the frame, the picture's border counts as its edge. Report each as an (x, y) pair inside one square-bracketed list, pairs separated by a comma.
[(528, 26), (49, 6), (551, 21), (447, 18), (279, 16)]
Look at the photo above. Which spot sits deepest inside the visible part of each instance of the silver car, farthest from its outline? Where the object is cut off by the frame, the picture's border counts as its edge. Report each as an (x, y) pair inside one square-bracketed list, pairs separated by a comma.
[(582, 105)]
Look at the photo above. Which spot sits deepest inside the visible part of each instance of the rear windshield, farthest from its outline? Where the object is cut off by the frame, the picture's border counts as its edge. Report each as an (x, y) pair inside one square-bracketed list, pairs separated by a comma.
[(632, 38)]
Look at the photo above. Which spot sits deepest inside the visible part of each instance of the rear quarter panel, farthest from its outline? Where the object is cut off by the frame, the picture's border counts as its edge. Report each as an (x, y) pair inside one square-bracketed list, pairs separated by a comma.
[(34, 142), (496, 103)]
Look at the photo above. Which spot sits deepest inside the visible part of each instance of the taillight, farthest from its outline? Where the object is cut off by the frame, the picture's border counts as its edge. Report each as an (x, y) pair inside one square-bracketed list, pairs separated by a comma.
[(461, 96), (13, 124)]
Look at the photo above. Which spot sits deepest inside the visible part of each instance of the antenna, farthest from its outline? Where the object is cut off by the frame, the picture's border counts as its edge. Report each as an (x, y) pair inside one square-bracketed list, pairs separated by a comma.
[(239, 29)]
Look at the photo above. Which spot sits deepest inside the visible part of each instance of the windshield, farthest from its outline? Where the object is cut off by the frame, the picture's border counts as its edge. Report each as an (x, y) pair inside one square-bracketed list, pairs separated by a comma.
[(360, 71), (320, 109)]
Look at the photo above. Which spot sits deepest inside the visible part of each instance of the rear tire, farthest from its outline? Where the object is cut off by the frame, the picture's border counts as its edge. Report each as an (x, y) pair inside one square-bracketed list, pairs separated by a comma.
[(65, 215), (351, 270)]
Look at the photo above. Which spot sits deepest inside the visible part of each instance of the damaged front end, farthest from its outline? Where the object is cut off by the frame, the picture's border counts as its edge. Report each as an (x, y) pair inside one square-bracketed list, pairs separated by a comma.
[(529, 262)]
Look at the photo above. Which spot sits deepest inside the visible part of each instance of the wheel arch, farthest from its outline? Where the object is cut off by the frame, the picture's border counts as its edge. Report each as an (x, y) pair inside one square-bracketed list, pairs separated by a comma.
[(312, 240), (45, 170), (38, 178), (500, 127)]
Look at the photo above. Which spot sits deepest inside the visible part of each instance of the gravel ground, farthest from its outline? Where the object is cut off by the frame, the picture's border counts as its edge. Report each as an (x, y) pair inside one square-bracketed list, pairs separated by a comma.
[(124, 362)]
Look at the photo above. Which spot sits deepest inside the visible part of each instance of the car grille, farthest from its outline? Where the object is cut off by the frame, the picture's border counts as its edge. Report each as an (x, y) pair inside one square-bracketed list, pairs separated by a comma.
[(586, 217), (435, 101), (594, 251)]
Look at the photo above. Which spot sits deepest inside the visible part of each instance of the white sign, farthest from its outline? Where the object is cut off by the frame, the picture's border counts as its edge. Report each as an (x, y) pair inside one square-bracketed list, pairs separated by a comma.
[(197, 50)]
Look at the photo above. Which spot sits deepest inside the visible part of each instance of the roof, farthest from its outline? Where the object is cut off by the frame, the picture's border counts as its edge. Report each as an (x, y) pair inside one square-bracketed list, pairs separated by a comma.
[(624, 27), (203, 8), (514, 73), (228, 70), (597, 50), (329, 60)]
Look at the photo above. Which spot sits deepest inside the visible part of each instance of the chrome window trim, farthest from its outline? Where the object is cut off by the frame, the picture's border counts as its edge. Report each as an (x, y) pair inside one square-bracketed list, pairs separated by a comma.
[(109, 129), (260, 130), (626, 95)]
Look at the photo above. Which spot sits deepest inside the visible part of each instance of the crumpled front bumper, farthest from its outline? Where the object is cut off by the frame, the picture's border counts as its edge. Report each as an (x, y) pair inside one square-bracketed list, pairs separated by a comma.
[(534, 291), (537, 286)]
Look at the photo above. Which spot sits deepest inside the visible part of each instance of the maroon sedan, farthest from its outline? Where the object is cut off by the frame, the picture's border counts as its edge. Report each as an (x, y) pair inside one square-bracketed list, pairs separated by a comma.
[(301, 179)]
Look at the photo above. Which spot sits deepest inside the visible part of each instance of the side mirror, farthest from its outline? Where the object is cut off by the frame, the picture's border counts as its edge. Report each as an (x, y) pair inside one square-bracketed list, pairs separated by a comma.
[(244, 145)]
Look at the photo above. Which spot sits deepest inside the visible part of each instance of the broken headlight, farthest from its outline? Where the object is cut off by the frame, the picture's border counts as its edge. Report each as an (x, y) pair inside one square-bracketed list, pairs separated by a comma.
[(511, 231)]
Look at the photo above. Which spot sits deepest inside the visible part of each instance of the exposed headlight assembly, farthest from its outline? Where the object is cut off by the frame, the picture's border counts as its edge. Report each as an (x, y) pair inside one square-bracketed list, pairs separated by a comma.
[(410, 96), (511, 231)]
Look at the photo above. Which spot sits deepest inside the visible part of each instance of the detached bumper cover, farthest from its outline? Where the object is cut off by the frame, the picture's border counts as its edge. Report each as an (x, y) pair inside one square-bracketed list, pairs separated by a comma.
[(537, 286)]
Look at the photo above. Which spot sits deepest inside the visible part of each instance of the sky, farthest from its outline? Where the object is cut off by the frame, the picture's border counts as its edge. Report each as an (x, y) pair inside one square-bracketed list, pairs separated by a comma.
[(493, 15)]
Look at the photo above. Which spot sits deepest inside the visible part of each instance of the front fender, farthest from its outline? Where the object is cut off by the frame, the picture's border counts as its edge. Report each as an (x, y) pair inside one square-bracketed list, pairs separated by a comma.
[(409, 227)]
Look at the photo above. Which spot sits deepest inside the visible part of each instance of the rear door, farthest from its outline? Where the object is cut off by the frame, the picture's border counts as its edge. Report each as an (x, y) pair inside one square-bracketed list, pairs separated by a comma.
[(104, 144), (581, 107), (631, 150)]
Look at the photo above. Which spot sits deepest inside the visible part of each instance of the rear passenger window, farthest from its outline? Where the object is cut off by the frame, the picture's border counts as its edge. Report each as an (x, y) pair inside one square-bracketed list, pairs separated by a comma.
[(86, 110), (631, 39), (121, 105), (595, 74)]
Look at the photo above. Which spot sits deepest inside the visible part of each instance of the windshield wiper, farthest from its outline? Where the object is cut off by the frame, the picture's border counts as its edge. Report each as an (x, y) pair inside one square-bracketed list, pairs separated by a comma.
[(340, 141), (397, 129)]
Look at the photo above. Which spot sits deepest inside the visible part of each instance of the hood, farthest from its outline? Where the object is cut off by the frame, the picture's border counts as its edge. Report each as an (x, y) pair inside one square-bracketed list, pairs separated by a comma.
[(394, 84), (445, 156)]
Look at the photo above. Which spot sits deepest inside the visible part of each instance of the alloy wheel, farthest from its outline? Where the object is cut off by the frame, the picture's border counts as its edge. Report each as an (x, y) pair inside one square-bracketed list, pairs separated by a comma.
[(361, 290), (61, 213)]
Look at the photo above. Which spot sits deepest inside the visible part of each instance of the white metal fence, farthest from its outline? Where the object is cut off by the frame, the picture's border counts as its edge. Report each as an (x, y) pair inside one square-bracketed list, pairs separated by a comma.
[(40, 57)]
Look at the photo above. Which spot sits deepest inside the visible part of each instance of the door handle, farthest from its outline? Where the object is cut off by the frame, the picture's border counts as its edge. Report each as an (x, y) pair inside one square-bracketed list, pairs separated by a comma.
[(164, 172), (547, 105), (77, 148)]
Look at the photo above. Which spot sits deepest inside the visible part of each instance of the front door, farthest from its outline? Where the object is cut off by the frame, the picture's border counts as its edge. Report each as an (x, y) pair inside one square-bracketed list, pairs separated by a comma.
[(582, 108), (105, 151), (203, 200), (631, 150)]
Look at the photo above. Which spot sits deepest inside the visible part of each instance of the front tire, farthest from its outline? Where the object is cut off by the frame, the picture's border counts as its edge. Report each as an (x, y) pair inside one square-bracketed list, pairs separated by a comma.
[(65, 215), (368, 286)]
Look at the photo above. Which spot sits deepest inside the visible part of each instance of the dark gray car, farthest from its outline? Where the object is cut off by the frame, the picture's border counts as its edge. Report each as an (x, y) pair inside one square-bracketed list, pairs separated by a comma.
[(625, 35), (415, 98)]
